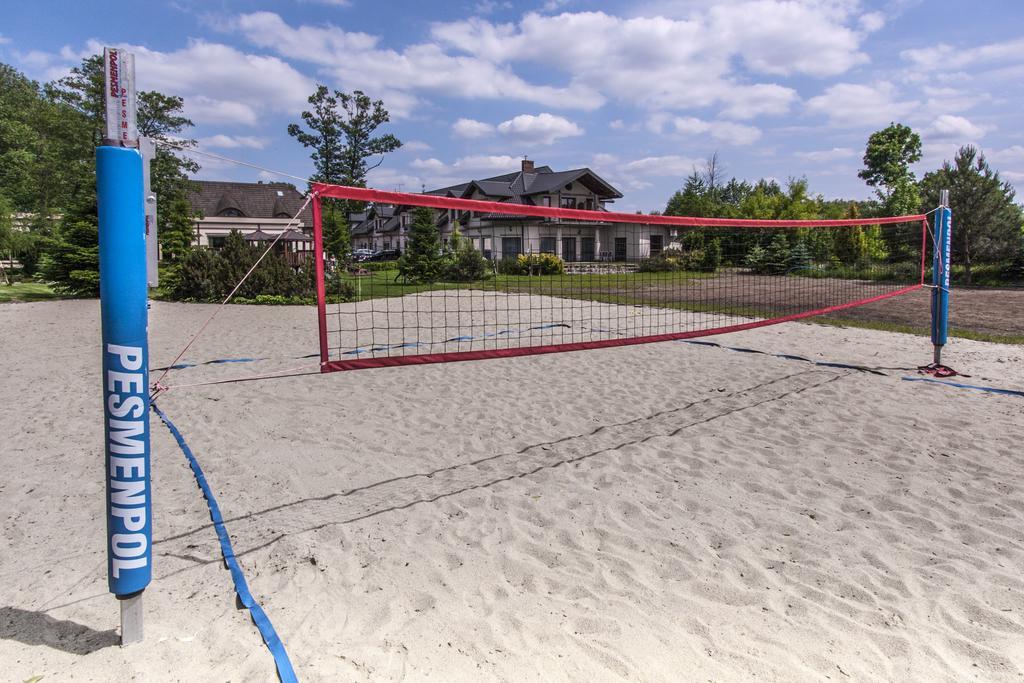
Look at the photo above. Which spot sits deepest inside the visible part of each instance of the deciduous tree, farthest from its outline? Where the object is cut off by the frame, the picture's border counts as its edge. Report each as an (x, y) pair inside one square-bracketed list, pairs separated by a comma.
[(341, 128), (987, 223)]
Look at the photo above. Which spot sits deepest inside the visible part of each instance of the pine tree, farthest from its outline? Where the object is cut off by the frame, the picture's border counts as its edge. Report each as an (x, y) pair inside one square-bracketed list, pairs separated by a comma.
[(422, 261), (986, 220)]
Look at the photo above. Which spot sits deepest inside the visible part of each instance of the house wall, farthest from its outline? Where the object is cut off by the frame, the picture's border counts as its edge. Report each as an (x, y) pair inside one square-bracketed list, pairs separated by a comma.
[(570, 235), (206, 228)]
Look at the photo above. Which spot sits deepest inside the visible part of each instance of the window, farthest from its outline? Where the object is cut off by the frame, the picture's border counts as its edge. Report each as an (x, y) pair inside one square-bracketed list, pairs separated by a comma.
[(568, 203), (230, 213), (547, 245), (511, 247), (217, 241), (547, 201), (620, 248), (590, 203), (568, 249), (657, 244), (587, 248)]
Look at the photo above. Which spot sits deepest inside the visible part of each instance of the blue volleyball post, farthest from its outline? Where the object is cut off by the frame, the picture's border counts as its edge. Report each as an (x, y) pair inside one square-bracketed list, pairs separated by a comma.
[(940, 274), (123, 292)]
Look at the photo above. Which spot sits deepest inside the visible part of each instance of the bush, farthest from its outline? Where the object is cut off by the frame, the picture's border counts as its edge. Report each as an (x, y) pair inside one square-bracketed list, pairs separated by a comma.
[(696, 255), (757, 260), (711, 257), (466, 265), (532, 264), (799, 257), (1015, 271), (376, 266), (205, 275), (667, 261)]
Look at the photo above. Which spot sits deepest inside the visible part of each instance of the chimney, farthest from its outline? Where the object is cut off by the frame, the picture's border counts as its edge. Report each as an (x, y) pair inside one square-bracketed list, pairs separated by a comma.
[(527, 166)]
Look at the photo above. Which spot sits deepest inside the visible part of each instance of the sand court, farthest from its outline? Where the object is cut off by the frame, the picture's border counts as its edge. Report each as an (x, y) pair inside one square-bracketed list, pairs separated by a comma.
[(659, 512)]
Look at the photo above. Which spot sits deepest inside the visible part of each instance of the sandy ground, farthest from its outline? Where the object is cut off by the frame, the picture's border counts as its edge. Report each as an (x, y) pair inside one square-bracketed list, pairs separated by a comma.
[(662, 512)]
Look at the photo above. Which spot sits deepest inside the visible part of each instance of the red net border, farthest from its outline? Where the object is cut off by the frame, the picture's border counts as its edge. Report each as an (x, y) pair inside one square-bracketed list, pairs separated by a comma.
[(322, 190)]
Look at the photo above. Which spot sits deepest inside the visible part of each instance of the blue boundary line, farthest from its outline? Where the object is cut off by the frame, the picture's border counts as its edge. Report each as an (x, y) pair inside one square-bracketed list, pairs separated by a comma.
[(861, 368), (786, 356), (993, 390), (284, 665)]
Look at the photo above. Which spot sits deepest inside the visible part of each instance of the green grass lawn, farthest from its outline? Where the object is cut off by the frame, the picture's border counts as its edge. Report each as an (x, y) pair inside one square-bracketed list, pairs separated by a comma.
[(607, 288), (25, 291)]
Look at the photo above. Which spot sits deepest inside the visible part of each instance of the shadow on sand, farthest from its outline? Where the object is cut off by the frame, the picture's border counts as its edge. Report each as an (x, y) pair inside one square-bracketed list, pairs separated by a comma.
[(37, 628)]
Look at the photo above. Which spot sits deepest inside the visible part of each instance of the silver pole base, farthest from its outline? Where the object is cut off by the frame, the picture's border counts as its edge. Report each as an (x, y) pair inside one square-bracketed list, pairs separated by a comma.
[(131, 619), (937, 358)]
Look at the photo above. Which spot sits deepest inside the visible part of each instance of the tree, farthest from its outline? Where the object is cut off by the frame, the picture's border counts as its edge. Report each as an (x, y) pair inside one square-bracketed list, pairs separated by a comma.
[(73, 125), (72, 261), (160, 118), (465, 263), (6, 237), (341, 135), (422, 261), (987, 224), (887, 160)]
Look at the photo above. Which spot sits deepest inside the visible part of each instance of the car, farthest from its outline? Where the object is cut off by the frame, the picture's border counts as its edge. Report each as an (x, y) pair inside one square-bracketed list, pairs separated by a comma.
[(383, 255), (361, 254)]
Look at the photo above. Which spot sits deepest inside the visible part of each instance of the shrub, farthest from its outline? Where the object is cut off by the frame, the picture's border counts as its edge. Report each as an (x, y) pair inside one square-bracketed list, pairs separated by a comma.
[(1015, 270), (658, 264), (799, 257), (532, 264), (199, 277), (711, 257), (205, 275), (376, 266), (466, 265), (757, 260)]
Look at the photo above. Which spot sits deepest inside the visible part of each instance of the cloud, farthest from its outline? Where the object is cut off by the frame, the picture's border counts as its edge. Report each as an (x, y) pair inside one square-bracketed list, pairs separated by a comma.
[(4, 39), (470, 128), (859, 105), (655, 62), (209, 110), (827, 155), (490, 6), (232, 142), (947, 57), (543, 128), (219, 84), (734, 133), (669, 165), (487, 163), (415, 146), (786, 38), (1013, 154), (399, 78), (616, 124), (604, 159), (747, 102), (954, 128), (872, 21), (428, 164)]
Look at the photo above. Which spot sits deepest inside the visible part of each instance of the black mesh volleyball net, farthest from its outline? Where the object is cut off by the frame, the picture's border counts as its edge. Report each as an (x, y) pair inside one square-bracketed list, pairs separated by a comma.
[(435, 278)]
